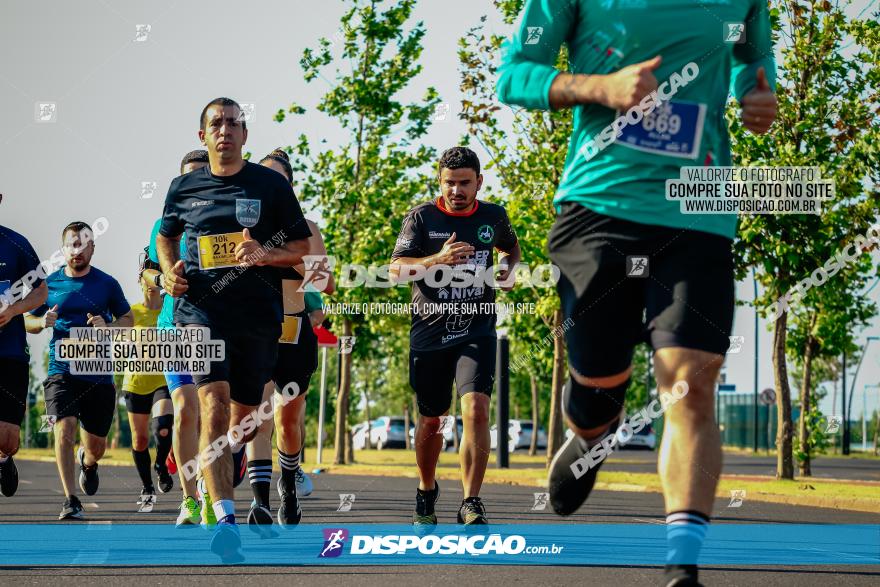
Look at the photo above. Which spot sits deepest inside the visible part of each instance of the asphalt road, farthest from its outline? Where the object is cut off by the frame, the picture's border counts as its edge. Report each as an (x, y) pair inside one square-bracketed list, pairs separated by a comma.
[(645, 461), (389, 500)]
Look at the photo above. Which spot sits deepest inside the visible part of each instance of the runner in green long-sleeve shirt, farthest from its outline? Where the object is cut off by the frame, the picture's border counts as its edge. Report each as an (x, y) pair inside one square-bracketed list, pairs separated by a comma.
[(634, 269), (618, 52)]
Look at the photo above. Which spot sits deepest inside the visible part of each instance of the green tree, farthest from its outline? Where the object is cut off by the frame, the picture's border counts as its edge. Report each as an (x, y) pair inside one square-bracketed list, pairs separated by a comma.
[(529, 165), (362, 184), (823, 327), (829, 100)]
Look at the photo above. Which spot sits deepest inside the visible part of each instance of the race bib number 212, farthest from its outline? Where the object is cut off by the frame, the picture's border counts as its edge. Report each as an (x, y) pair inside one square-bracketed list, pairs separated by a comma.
[(217, 251)]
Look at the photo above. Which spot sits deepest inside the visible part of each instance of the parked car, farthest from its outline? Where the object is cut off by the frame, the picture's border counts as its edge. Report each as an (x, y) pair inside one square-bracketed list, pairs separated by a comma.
[(525, 436), (512, 436), (644, 438), (388, 432), (359, 436)]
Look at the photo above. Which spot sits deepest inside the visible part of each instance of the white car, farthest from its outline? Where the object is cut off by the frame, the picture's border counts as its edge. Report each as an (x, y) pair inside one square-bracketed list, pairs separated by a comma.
[(512, 436), (644, 438), (388, 432), (525, 436)]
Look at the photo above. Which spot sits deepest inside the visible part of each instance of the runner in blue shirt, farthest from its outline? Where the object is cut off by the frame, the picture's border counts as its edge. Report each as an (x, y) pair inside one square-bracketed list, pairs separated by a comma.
[(79, 296)]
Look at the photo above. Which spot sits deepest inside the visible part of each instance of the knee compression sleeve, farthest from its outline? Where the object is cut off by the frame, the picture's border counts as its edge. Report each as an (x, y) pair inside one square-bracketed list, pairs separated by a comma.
[(161, 422), (589, 407)]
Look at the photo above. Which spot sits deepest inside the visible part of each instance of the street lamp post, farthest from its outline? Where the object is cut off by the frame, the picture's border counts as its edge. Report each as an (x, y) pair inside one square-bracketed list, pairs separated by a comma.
[(755, 412), (848, 411)]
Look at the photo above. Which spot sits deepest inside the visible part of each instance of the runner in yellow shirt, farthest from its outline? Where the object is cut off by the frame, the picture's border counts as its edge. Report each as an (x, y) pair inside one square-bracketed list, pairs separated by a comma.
[(147, 394)]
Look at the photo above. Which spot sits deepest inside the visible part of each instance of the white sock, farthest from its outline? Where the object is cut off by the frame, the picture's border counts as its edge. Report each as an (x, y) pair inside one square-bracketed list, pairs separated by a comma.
[(223, 508)]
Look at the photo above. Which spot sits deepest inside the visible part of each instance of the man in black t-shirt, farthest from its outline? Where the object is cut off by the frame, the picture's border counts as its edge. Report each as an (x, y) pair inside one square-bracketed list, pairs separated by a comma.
[(446, 247), (242, 221)]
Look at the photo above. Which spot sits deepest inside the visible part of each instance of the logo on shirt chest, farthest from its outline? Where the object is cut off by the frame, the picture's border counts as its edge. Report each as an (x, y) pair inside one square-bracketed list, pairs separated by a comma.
[(436, 234), (486, 234), (247, 212)]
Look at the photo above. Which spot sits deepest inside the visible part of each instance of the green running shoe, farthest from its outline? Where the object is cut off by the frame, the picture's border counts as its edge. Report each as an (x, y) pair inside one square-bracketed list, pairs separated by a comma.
[(190, 513), (209, 519), (472, 512), (425, 501)]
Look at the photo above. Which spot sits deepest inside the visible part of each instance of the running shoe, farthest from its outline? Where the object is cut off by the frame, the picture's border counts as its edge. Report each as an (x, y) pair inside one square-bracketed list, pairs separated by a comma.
[(472, 512), (190, 514), (304, 486), (680, 576), (260, 521), (88, 476), (226, 542), (425, 501), (209, 518), (147, 500), (72, 509), (568, 491), (289, 512), (8, 477), (171, 463), (239, 467), (166, 482)]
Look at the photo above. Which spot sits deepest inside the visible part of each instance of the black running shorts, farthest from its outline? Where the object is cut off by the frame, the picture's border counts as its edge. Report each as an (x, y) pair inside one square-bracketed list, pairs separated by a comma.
[(471, 365), (142, 403), (249, 360), (624, 283), (92, 404), (13, 390)]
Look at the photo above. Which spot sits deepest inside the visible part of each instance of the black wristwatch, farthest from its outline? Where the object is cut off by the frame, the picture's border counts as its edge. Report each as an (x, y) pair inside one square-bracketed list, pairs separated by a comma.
[(157, 280)]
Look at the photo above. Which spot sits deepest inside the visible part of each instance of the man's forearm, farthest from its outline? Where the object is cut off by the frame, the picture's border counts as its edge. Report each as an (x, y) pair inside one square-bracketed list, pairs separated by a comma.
[(35, 298), (512, 257), (573, 89), (124, 321), (33, 324), (401, 263), (167, 250), (149, 275), (288, 255)]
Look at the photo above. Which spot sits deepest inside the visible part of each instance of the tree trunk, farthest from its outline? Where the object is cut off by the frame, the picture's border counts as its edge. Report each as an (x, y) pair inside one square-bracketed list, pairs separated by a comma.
[(369, 421), (556, 434), (804, 428), (536, 420), (784, 464), (342, 401), (349, 446)]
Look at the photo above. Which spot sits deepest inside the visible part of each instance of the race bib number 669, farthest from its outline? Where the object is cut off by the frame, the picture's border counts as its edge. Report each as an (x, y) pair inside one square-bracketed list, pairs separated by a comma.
[(673, 129)]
